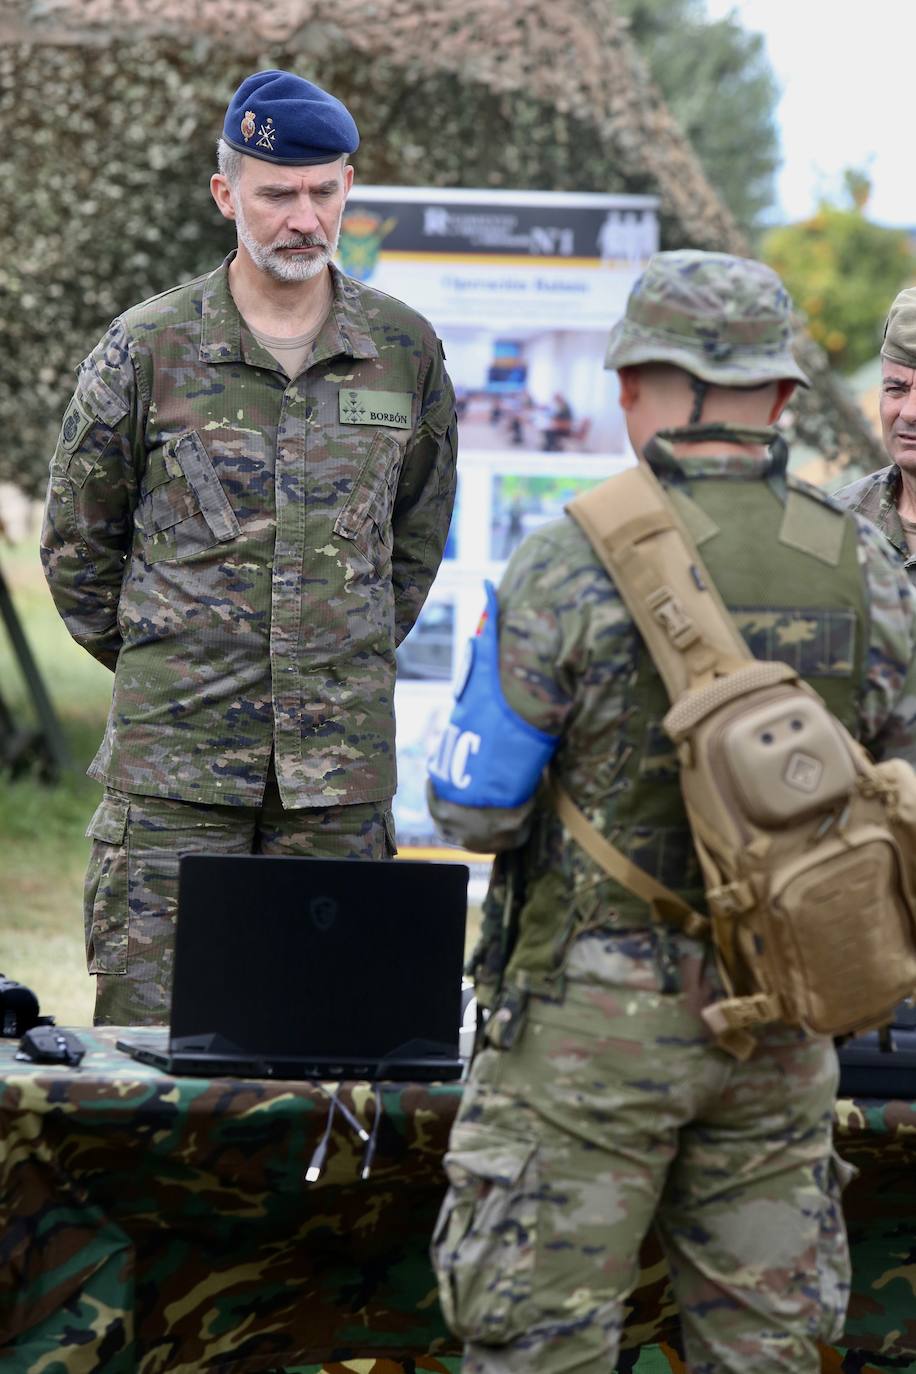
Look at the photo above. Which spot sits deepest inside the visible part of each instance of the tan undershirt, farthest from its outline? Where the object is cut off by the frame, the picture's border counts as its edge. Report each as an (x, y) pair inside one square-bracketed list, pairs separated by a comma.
[(909, 531), (291, 354)]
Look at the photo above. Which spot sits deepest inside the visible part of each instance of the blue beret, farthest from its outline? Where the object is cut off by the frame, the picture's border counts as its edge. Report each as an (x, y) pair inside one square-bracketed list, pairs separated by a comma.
[(281, 117)]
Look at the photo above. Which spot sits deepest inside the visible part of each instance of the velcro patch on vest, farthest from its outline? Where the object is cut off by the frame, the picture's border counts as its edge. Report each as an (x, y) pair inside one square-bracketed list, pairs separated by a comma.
[(815, 529), (390, 408)]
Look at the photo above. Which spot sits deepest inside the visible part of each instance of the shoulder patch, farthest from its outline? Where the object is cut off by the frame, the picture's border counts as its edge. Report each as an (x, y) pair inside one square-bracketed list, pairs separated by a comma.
[(77, 419)]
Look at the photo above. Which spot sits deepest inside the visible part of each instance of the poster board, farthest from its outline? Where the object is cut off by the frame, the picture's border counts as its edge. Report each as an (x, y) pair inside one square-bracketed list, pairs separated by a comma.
[(522, 288)]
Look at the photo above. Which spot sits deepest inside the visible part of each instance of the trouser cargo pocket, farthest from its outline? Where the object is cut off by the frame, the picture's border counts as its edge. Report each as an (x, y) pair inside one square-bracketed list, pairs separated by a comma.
[(484, 1243), (105, 894)]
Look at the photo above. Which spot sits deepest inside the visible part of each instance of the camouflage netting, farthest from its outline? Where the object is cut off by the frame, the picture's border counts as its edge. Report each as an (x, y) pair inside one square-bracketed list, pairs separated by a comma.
[(112, 107)]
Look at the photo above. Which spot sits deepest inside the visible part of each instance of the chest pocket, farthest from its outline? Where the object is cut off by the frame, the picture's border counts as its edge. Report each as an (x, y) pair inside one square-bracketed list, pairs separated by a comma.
[(183, 508), (365, 518)]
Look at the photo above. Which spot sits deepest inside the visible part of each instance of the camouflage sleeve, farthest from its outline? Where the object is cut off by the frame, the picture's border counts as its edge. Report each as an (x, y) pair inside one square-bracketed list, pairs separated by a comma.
[(425, 497), (544, 602), (88, 518), (887, 707), (560, 616), (482, 829)]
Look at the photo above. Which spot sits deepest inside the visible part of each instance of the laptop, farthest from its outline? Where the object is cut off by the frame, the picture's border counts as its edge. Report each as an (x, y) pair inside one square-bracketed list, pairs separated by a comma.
[(314, 968)]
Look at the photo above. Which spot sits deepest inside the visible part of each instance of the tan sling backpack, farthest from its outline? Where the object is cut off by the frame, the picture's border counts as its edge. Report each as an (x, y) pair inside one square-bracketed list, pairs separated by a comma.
[(807, 847)]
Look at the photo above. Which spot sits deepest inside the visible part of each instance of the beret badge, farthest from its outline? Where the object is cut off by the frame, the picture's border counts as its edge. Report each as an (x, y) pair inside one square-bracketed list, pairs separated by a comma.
[(248, 125), (266, 135)]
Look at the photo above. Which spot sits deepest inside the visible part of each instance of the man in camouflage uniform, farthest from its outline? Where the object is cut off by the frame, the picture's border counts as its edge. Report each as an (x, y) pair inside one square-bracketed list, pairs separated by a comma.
[(248, 502), (888, 497), (599, 1103)]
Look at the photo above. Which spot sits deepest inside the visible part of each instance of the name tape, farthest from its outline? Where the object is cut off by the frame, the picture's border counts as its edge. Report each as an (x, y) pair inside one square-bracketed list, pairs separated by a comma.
[(391, 408)]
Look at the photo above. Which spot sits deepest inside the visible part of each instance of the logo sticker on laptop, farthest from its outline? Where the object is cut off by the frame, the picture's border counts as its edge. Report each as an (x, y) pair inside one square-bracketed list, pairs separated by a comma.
[(323, 911)]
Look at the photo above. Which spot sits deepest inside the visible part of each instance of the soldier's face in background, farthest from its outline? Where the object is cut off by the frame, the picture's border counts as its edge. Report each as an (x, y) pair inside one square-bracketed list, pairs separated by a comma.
[(288, 218), (898, 413)]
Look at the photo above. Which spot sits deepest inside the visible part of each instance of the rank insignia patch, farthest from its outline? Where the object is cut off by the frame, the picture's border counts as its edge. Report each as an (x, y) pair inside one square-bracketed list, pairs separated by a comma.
[(390, 408), (248, 125)]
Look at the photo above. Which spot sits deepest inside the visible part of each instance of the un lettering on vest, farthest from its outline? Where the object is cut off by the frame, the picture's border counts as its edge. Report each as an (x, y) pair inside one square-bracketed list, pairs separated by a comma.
[(450, 762)]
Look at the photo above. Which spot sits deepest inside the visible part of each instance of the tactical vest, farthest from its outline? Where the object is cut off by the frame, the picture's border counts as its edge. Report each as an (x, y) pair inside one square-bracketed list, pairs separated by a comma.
[(788, 569)]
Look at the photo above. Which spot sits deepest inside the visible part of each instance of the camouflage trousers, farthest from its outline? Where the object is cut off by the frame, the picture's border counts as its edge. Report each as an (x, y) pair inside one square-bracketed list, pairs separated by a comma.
[(131, 888), (612, 1109)]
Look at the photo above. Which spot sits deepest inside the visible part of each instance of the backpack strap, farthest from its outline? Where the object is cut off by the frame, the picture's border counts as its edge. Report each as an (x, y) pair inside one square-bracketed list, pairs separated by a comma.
[(664, 904), (729, 1020), (656, 567)]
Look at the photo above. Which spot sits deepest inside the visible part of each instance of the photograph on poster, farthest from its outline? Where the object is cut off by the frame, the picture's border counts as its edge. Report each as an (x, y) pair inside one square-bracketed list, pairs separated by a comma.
[(533, 390), (521, 503)]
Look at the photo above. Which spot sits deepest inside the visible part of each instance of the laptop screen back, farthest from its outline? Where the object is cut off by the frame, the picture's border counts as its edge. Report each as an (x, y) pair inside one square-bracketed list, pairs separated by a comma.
[(319, 957)]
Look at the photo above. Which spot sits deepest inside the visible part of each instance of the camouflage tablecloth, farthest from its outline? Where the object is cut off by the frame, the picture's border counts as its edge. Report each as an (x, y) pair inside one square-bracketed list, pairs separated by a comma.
[(155, 1224)]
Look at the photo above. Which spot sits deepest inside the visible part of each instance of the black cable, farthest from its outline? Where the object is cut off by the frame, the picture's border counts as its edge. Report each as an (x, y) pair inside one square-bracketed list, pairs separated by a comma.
[(369, 1152), (316, 1163), (345, 1111), (313, 1172)]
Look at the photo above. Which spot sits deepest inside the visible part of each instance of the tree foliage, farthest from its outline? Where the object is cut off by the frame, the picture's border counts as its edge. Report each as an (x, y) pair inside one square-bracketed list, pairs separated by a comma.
[(843, 271), (718, 84), (106, 202)]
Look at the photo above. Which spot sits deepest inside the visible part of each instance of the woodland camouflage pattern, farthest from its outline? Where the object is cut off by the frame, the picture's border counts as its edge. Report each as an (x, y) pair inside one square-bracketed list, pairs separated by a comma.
[(247, 551), (723, 318), (875, 497), (152, 1224)]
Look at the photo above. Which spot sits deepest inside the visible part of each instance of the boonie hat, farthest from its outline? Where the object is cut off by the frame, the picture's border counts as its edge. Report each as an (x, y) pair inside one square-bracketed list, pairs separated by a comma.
[(281, 117), (899, 344), (724, 319)]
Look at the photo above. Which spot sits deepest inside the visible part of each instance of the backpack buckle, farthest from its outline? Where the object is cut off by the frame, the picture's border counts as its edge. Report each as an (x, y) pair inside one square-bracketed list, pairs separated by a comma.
[(674, 620), (731, 899), (740, 1013)]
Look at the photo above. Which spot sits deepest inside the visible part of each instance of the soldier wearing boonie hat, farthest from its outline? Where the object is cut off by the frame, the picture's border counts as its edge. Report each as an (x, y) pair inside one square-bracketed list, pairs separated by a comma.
[(262, 462), (888, 497), (599, 1102), (725, 320)]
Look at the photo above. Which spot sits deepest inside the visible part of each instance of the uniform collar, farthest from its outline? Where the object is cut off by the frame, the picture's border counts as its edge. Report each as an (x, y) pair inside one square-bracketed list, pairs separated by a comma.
[(345, 331), (670, 467), (892, 480), (887, 516)]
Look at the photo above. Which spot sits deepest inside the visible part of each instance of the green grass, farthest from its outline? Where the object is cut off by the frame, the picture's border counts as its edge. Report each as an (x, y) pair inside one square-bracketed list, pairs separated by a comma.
[(42, 826)]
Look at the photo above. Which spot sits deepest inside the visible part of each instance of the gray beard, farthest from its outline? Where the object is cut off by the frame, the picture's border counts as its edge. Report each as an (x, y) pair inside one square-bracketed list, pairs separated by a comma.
[(275, 263)]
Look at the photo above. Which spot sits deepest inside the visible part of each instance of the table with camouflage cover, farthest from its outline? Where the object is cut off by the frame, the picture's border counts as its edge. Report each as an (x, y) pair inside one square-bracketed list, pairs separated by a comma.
[(160, 1224)]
